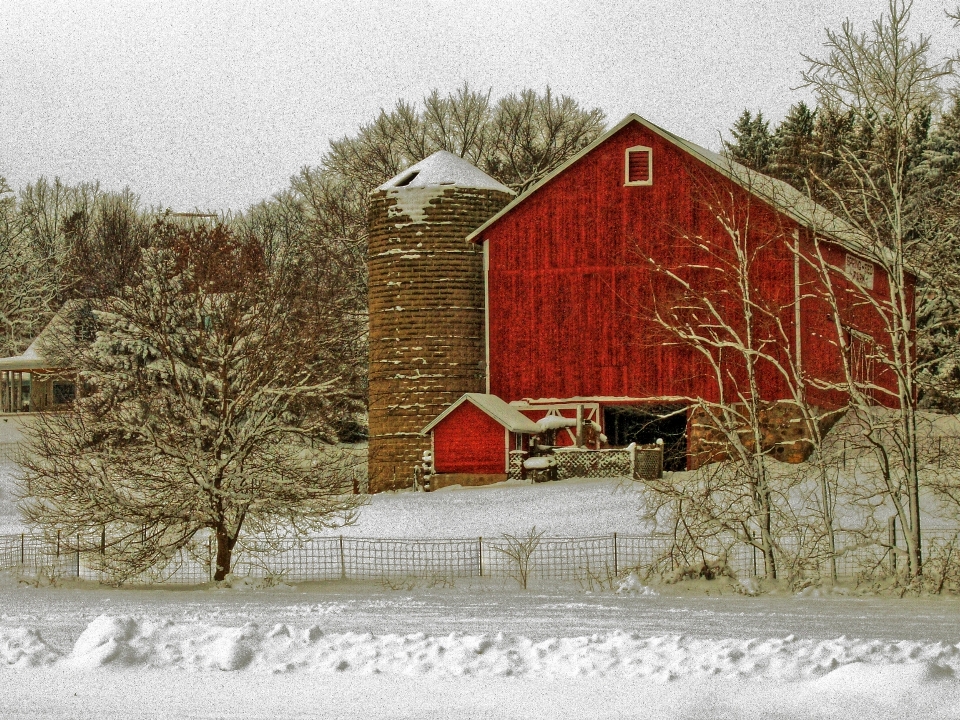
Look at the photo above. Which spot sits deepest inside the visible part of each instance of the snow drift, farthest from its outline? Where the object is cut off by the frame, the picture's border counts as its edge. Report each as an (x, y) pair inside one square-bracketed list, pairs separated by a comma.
[(129, 642)]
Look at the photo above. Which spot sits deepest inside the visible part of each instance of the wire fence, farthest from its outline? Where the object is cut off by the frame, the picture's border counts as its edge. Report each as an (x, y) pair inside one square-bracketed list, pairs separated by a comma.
[(592, 559)]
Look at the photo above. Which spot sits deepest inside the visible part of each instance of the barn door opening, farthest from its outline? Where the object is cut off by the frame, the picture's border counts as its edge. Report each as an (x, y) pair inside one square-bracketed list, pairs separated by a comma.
[(644, 424)]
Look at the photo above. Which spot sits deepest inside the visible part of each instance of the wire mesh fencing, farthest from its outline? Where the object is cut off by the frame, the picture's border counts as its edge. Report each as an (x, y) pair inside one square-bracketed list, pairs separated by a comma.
[(600, 559)]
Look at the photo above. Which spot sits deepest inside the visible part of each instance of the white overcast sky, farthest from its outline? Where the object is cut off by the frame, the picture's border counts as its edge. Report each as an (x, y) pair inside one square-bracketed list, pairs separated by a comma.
[(215, 105)]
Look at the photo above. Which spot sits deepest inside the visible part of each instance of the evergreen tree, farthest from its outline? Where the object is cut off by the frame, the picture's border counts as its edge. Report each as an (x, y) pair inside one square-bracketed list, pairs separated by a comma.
[(753, 142), (794, 147)]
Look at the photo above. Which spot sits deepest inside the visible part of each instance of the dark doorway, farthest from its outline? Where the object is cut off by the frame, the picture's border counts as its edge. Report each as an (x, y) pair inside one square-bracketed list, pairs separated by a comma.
[(643, 424)]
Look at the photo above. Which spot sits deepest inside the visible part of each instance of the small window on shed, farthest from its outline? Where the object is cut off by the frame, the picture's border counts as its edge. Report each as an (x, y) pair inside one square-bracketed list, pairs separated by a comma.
[(639, 166)]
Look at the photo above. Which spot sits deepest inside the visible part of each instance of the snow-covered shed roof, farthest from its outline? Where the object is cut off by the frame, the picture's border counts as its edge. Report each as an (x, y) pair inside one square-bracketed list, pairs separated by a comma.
[(504, 413), (444, 168), (782, 196)]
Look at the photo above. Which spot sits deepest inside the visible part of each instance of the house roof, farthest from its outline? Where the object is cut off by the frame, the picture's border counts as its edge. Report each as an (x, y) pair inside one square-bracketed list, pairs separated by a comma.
[(782, 196), (33, 358), (444, 168), (505, 414)]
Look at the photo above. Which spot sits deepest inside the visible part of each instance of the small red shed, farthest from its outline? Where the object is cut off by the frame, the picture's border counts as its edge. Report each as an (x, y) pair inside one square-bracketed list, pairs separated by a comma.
[(471, 440)]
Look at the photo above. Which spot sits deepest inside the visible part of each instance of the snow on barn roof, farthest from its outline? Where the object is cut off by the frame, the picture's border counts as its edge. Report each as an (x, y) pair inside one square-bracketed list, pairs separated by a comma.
[(782, 196), (505, 414), (444, 168)]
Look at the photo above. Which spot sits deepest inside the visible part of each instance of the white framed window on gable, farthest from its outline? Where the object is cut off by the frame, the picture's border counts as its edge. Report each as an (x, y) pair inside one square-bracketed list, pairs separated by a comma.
[(638, 166)]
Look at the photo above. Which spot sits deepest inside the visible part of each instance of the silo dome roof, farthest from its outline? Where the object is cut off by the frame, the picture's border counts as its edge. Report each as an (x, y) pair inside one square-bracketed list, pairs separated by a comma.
[(444, 168)]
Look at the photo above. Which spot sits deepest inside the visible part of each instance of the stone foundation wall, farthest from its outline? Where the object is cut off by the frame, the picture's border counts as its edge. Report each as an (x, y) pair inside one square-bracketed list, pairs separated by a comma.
[(466, 479), (784, 434), (426, 305)]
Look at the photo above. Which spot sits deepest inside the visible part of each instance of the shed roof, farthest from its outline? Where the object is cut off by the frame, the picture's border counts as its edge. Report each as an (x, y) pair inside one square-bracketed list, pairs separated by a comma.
[(504, 413), (444, 168), (782, 196)]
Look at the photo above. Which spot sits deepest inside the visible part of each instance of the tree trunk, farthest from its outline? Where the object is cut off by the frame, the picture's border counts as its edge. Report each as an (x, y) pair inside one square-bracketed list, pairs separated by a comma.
[(224, 553), (766, 538), (912, 534)]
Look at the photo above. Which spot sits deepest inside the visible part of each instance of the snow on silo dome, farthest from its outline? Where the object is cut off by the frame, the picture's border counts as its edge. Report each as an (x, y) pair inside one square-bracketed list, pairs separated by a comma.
[(444, 168)]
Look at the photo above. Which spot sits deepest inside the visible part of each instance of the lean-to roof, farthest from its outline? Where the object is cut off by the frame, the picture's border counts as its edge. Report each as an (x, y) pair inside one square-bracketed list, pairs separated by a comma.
[(504, 413)]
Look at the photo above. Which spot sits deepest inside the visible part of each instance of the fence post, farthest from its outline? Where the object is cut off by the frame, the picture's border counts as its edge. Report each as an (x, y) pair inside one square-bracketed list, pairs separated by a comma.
[(210, 559), (633, 460), (480, 555), (892, 539), (21, 548), (58, 545), (103, 539), (78, 556), (754, 560), (616, 569), (343, 564)]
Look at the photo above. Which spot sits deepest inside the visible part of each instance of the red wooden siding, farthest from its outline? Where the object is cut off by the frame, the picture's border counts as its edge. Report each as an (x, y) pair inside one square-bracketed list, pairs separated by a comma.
[(469, 441), (570, 284)]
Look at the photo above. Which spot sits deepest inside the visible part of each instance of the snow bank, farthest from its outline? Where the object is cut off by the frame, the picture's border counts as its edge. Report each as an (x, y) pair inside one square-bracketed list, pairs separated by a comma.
[(23, 648), (128, 642)]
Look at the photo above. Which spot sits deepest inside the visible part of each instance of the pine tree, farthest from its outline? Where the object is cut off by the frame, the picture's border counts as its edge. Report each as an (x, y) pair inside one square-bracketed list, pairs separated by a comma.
[(936, 179), (794, 147), (753, 142)]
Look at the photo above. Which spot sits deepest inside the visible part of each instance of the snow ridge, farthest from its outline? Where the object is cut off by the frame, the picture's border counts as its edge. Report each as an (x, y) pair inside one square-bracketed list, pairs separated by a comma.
[(128, 642)]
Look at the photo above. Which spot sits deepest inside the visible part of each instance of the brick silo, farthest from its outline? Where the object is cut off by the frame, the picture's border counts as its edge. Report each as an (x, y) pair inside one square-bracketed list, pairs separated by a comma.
[(426, 305)]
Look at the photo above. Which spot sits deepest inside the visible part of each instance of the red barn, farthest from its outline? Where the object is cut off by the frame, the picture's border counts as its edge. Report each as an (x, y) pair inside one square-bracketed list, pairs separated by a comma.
[(579, 268)]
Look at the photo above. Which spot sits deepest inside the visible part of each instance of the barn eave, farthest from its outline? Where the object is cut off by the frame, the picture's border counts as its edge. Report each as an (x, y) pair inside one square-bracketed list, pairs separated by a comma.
[(781, 196)]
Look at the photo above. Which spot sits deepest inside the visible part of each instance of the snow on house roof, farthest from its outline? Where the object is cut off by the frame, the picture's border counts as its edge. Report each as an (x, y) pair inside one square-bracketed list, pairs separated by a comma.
[(505, 414), (782, 196), (444, 168), (32, 358)]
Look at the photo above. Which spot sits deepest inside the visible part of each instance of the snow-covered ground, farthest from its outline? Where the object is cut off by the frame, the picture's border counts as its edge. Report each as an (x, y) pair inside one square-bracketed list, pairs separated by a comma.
[(479, 648), (9, 516), (570, 508), (473, 651)]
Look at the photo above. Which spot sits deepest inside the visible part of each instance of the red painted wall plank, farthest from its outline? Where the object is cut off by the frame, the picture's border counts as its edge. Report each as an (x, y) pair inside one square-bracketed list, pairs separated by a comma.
[(469, 441)]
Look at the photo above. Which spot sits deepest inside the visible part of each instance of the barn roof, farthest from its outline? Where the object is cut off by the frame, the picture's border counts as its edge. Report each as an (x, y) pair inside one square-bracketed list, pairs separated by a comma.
[(505, 414), (444, 168), (782, 196)]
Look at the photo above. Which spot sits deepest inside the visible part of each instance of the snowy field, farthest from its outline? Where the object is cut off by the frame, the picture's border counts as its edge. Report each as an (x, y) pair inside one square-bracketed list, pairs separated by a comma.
[(9, 517), (571, 508), (350, 650), (473, 648)]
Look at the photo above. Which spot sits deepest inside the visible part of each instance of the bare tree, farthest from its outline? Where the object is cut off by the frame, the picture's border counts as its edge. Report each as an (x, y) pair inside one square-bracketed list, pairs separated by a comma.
[(519, 549), (28, 290), (746, 339), (887, 83), (210, 397)]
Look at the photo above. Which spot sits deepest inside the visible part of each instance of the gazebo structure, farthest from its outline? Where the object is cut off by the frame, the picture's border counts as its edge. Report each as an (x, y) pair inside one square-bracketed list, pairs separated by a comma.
[(31, 382)]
